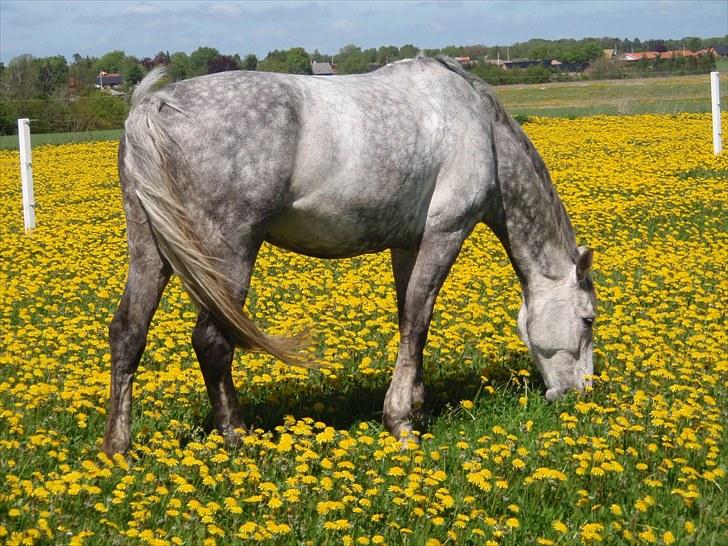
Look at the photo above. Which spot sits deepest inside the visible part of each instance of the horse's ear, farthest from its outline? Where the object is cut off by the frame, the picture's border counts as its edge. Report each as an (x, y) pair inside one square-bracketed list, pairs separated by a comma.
[(584, 262)]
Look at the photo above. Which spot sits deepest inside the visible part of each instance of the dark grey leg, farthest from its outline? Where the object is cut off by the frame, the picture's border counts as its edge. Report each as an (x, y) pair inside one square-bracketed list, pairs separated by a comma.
[(148, 276), (215, 349), (215, 354), (405, 396)]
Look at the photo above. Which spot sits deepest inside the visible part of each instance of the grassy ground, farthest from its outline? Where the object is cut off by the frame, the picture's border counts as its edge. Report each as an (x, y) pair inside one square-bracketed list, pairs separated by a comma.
[(670, 95), (640, 460)]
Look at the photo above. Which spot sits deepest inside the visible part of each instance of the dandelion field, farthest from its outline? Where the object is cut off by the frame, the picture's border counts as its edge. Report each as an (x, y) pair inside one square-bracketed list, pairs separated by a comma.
[(640, 460)]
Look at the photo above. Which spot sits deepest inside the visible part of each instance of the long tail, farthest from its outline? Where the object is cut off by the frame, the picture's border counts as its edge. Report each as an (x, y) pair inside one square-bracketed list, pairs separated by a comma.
[(149, 148)]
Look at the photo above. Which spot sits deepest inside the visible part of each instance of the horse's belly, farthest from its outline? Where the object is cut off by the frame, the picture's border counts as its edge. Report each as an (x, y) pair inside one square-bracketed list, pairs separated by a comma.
[(343, 232)]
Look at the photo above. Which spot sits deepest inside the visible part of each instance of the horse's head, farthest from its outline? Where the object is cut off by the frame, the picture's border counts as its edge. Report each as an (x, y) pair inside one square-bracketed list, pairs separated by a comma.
[(555, 322)]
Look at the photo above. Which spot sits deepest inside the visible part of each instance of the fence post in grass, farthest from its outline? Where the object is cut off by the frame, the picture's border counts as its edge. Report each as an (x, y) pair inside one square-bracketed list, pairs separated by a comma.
[(26, 173), (715, 99)]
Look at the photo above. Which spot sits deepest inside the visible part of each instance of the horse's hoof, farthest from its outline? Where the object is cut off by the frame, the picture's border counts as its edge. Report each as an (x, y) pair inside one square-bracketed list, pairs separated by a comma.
[(233, 436)]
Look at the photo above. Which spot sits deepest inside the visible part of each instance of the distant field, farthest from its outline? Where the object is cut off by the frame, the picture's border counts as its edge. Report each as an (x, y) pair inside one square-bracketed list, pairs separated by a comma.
[(11, 142), (614, 97)]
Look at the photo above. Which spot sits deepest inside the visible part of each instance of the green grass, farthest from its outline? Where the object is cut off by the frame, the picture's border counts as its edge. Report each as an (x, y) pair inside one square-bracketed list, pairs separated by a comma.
[(10, 142), (670, 95)]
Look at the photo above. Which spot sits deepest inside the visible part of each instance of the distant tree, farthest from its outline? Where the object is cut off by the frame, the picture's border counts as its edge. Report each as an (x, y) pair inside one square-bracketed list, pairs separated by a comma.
[(434, 52), (583, 53), (318, 56), (179, 66), (275, 61), (52, 74), (408, 51), (659, 46), (161, 58), (452, 51), (113, 61), (222, 63), (20, 79), (348, 49), (387, 54), (298, 61), (476, 51), (134, 74), (199, 59), (693, 44), (82, 72), (356, 63), (250, 62)]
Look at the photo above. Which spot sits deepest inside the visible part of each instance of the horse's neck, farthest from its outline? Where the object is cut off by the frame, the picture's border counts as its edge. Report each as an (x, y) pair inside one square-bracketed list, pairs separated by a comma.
[(532, 222)]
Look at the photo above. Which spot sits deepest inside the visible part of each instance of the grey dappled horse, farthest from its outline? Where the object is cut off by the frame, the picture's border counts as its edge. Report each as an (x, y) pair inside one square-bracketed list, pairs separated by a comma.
[(408, 158)]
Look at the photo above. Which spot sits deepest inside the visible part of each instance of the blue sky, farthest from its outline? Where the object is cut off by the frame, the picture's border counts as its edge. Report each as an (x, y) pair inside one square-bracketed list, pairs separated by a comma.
[(142, 28)]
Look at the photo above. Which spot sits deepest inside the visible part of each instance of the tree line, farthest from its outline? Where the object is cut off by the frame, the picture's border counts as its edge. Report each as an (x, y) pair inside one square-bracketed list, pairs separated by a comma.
[(60, 96)]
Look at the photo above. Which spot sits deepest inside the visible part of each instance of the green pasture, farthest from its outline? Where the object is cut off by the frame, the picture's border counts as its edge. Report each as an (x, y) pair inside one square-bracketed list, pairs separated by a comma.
[(670, 95)]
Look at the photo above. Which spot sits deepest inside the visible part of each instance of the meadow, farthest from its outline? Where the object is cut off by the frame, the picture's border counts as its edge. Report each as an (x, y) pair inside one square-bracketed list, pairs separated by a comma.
[(642, 459), (661, 95)]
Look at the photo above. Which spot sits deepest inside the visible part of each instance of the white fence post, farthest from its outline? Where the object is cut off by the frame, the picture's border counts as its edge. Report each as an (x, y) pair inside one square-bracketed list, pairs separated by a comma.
[(26, 173), (715, 99)]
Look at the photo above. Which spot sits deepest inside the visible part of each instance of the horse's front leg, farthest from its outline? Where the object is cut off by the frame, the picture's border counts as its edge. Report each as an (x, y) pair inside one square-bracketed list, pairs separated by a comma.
[(418, 278)]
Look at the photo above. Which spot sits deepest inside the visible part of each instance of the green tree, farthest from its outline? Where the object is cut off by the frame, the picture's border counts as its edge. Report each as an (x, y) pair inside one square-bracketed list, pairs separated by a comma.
[(134, 75), (200, 59), (113, 61), (52, 74), (82, 71), (387, 54), (356, 63), (408, 51), (275, 61), (179, 66), (298, 61), (250, 62)]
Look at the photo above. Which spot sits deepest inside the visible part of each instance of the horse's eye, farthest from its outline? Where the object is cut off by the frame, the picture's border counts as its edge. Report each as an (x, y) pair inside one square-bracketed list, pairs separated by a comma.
[(588, 321)]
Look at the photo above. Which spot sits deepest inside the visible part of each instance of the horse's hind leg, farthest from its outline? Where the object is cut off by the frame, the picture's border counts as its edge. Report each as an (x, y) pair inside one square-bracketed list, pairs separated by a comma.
[(214, 347), (215, 355), (148, 275)]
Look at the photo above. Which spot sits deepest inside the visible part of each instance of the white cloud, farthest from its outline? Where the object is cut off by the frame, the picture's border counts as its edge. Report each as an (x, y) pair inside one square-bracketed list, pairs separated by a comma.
[(140, 8)]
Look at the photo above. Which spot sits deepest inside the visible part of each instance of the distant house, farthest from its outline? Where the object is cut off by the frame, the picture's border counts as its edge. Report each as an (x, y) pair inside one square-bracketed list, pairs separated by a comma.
[(321, 69), (465, 61), (715, 51), (109, 80), (523, 63), (568, 67), (638, 56)]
